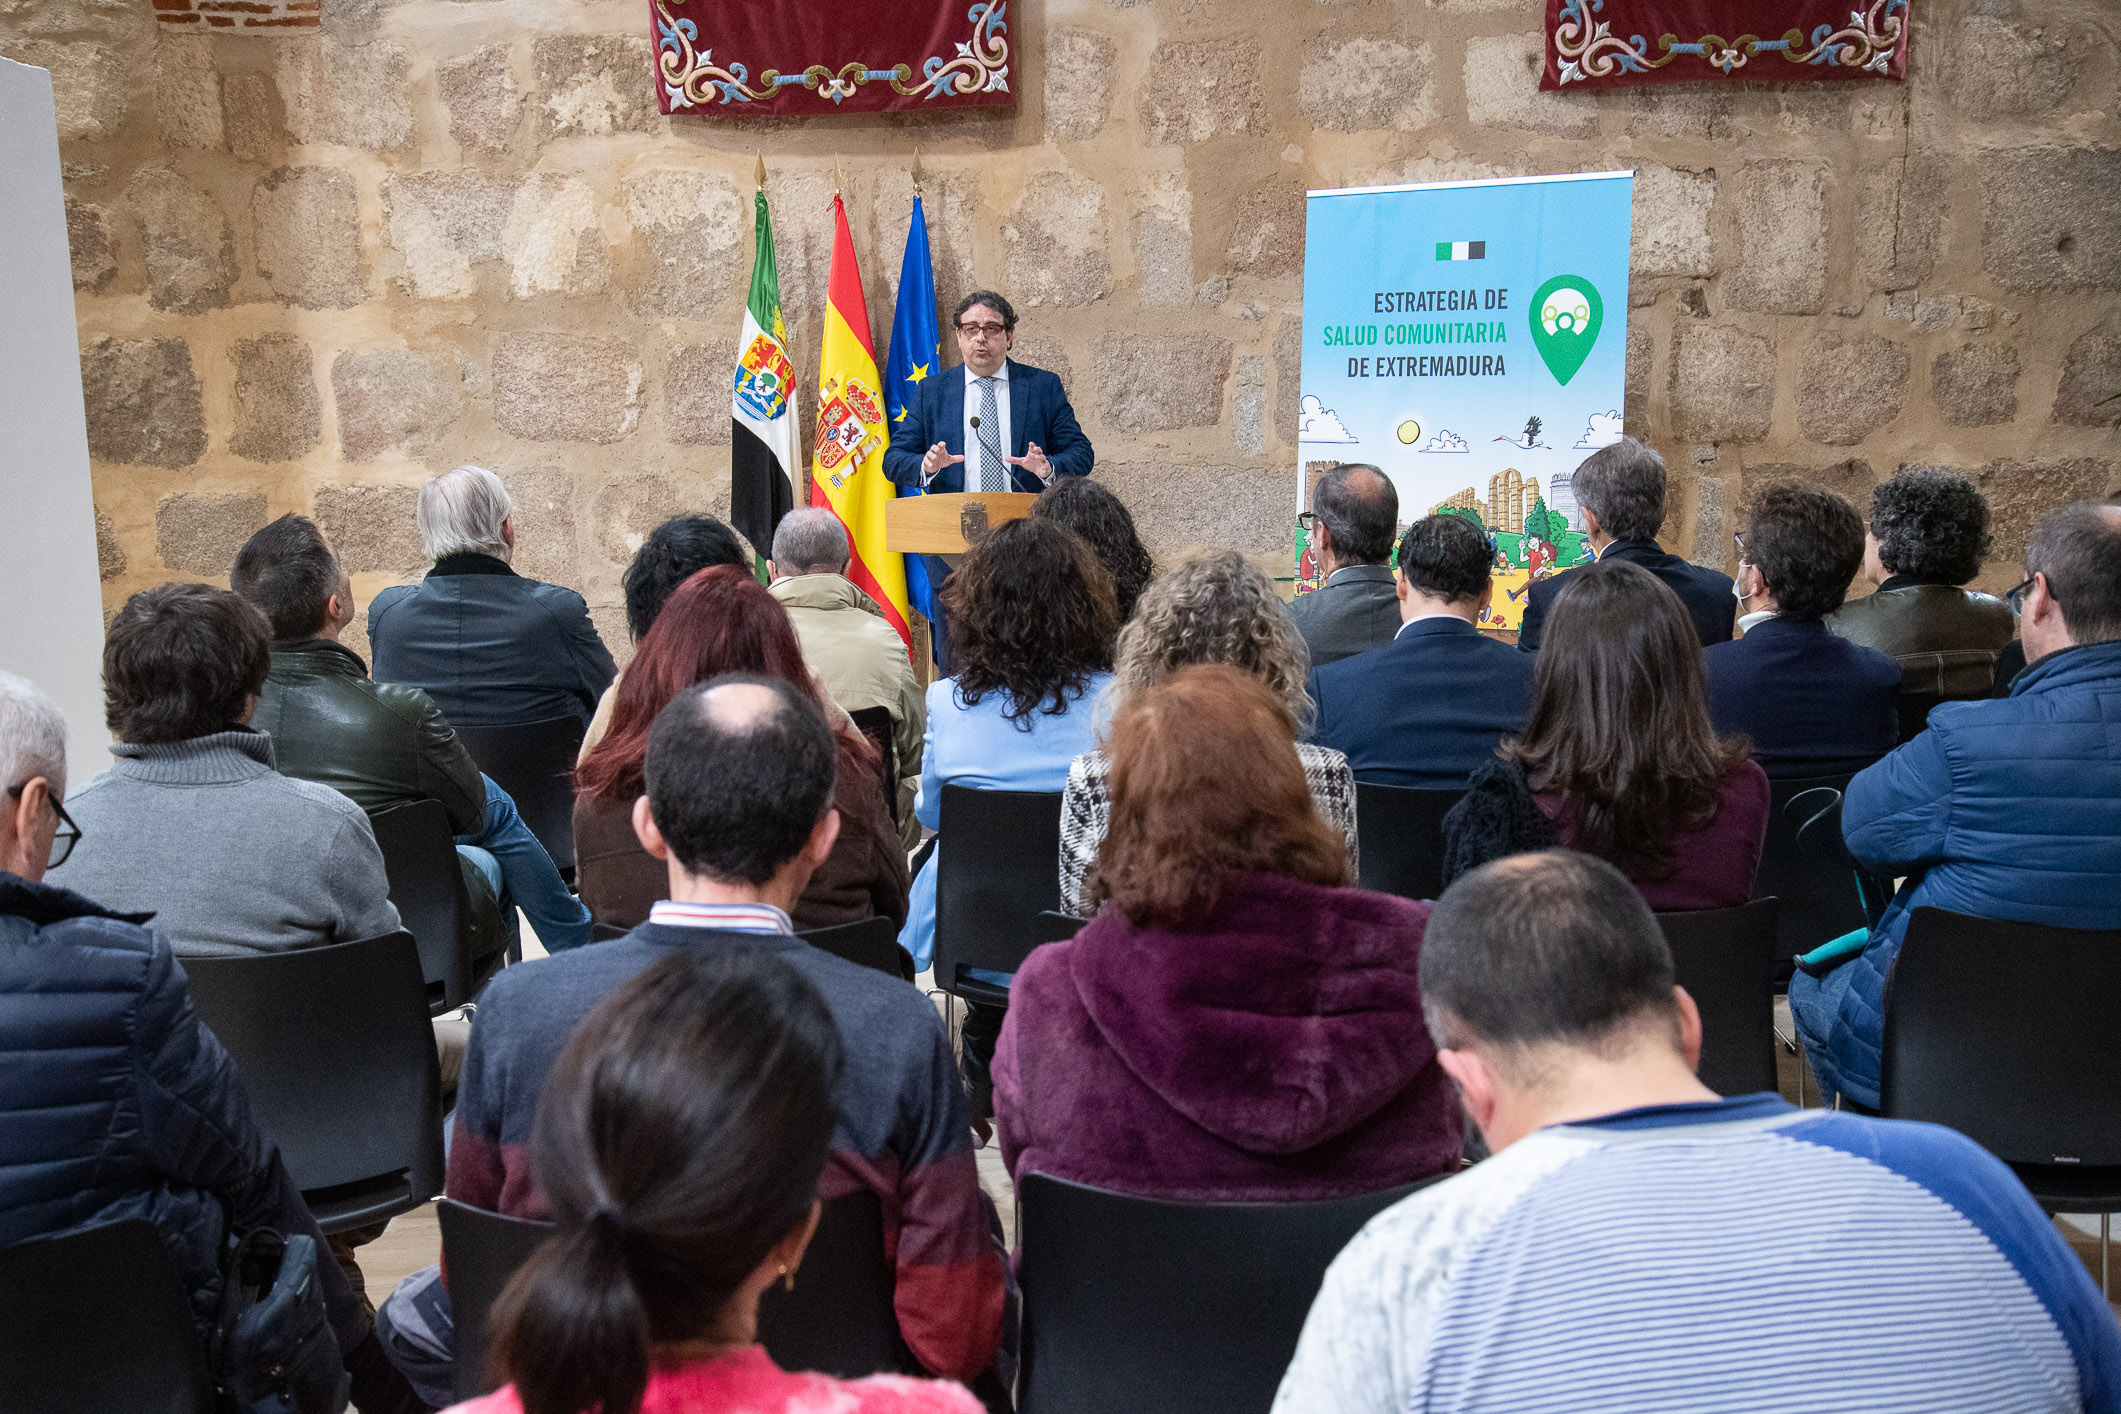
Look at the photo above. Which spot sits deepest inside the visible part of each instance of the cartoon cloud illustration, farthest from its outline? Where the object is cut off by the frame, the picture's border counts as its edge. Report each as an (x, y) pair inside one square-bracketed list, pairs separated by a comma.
[(1445, 440), (1603, 431), (1319, 423)]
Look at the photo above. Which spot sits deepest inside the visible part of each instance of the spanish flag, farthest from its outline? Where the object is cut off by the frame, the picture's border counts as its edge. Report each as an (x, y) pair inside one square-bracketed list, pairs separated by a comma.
[(847, 469)]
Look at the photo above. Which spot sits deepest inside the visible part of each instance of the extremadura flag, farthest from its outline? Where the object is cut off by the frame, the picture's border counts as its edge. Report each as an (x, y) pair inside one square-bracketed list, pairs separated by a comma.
[(762, 445)]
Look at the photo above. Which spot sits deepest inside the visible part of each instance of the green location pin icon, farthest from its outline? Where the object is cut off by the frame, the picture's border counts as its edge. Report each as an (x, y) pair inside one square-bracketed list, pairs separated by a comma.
[(1565, 314)]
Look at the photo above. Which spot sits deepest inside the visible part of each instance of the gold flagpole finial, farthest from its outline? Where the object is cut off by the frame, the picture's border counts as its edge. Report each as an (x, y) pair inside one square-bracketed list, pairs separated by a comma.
[(916, 171), (836, 174), (761, 175)]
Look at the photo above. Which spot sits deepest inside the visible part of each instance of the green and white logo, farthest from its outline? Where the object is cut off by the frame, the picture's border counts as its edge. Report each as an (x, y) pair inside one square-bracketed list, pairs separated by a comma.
[(1565, 315)]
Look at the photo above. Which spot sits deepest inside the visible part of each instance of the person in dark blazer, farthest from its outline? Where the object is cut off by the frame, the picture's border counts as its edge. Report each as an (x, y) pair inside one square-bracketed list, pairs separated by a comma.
[(1813, 703), (1026, 433), (491, 647), (1620, 490), (1431, 705), (1354, 515)]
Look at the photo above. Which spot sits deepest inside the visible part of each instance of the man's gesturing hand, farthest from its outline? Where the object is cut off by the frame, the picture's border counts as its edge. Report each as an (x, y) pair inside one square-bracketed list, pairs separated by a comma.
[(937, 458), (1033, 461)]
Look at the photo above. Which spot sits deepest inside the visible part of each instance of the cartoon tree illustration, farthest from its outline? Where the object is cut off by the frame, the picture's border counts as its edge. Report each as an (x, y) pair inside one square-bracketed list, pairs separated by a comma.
[(1548, 525), (1466, 513)]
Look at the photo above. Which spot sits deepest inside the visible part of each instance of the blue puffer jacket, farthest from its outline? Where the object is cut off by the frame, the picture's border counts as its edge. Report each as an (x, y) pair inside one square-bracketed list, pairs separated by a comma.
[(119, 1104), (2002, 809)]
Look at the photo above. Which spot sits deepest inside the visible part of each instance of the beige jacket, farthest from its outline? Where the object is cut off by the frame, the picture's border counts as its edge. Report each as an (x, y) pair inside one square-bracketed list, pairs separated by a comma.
[(862, 661)]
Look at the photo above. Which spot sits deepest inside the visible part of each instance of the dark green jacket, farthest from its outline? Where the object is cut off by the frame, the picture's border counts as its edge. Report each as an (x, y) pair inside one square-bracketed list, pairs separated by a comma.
[(377, 744)]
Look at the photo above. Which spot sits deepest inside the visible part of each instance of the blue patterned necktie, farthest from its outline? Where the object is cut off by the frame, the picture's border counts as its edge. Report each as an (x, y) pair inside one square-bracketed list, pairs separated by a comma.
[(993, 472)]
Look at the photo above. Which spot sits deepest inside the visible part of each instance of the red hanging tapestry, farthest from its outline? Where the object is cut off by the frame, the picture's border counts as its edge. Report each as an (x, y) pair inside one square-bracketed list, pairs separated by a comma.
[(1608, 43), (784, 57)]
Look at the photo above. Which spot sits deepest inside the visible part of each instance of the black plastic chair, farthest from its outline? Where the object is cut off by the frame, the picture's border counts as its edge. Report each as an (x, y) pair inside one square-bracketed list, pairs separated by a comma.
[(534, 763), (334, 1046), (991, 885), (96, 1322), (875, 723), (2004, 1031), (1138, 1303), (866, 942), (1401, 830), (841, 1319), (1805, 864), (1056, 927), (427, 886), (482, 1251), (1725, 958)]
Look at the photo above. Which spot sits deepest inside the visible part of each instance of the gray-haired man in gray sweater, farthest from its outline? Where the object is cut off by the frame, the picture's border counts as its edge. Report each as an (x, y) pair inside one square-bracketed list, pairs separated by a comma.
[(192, 823)]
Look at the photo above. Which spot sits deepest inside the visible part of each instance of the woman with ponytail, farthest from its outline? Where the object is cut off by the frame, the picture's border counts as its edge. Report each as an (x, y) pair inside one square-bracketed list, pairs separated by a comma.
[(678, 1142)]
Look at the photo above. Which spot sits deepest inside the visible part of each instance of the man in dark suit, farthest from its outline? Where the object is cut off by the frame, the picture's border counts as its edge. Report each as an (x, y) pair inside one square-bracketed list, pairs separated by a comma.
[(1814, 704), (1353, 517), (1432, 704), (1620, 490), (993, 425)]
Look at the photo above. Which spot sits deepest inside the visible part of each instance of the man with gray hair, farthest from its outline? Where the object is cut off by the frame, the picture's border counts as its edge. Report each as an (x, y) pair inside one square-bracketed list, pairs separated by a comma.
[(1620, 491), (1636, 1242), (491, 647), (850, 645), (1353, 518)]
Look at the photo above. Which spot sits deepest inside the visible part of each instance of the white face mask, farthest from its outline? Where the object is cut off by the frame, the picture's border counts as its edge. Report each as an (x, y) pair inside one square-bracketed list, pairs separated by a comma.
[(1737, 592)]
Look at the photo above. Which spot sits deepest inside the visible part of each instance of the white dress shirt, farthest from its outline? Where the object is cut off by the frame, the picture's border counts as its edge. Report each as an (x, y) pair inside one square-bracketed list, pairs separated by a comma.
[(1001, 430)]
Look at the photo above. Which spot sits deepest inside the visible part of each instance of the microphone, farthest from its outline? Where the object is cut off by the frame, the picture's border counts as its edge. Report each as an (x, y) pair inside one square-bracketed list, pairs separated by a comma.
[(975, 422)]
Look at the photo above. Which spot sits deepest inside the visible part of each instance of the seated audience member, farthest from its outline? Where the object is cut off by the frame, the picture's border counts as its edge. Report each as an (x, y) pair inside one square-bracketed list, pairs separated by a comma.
[(192, 823), (122, 1104), (849, 643), (1235, 1025), (1928, 535), (1427, 708), (381, 745), (1811, 702), (2004, 808), (722, 621), (1620, 492), (1619, 758), (1031, 627), (1091, 510), (1354, 515), (739, 808), (681, 1136), (1218, 608), (674, 551), (1638, 1243), (492, 648)]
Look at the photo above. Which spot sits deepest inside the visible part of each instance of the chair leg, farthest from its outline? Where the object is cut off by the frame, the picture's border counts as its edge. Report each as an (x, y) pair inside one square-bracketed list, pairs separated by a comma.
[(2104, 1220)]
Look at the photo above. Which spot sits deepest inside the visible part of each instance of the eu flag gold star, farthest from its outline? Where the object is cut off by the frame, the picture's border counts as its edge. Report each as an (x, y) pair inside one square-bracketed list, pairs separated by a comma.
[(901, 416), (920, 371)]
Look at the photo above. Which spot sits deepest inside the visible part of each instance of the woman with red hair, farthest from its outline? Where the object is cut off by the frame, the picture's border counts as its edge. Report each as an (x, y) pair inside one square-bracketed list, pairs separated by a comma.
[(721, 620)]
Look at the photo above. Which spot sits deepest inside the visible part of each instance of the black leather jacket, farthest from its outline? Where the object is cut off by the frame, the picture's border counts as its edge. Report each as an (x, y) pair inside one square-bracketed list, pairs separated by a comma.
[(377, 744), (1944, 638)]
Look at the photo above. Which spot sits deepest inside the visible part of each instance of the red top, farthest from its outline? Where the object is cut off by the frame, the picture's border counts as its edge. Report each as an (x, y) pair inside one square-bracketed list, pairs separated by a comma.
[(1716, 863), (749, 1381)]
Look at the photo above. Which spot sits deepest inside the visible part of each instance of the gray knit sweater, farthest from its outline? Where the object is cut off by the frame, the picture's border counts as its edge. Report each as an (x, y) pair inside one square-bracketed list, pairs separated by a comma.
[(231, 856)]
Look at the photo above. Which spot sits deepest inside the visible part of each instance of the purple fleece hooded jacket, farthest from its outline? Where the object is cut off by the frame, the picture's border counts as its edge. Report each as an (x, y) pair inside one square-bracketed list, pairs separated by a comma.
[(1273, 1051)]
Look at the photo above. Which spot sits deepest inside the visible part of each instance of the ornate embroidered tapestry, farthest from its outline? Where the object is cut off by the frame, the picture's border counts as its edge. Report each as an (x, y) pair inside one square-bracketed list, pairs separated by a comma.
[(1609, 43), (790, 57)]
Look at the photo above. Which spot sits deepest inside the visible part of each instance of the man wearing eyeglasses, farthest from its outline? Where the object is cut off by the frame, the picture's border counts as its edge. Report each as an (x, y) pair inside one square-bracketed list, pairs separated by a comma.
[(992, 425)]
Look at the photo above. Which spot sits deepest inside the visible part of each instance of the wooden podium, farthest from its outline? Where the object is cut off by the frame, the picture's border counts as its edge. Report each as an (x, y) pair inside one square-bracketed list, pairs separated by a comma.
[(951, 523)]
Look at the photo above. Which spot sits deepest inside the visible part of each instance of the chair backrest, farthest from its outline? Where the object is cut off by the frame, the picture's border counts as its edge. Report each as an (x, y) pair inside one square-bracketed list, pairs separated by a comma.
[(842, 1317), (96, 1320), (534, 763), (427, 885), (1725, 958), (1402, 838), (1001, 872), (875, 723), (1804, 864), (2004, 1031), (482, 1251), (1056, 927), (335, 1048), (1140, 1303), (867, 942)]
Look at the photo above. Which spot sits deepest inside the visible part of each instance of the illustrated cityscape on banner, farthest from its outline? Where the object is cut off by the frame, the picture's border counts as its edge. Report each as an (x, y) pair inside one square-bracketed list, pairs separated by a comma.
[(1469, 338)]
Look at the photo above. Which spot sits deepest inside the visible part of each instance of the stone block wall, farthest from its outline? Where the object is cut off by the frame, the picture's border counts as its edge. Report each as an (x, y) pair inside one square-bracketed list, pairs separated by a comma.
[(314, 265)]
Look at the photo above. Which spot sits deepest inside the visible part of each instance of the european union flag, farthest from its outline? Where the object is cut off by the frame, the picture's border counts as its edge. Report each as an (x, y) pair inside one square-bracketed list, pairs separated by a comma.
[(916, 356)]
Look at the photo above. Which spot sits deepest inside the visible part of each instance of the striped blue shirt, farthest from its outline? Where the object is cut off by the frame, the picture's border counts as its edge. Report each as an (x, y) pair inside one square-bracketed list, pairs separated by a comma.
[(1735, 1255)]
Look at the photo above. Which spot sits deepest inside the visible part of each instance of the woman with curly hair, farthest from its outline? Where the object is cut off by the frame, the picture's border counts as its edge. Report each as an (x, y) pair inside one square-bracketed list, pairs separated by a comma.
[(1620, 758), (1929, 532), (1032, 621), (1218, 608), (1236, 1024), (1101, 518), (722, 620)]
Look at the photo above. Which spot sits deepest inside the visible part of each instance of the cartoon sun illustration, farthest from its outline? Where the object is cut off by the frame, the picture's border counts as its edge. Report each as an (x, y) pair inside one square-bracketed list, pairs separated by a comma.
[(1409, 432)]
